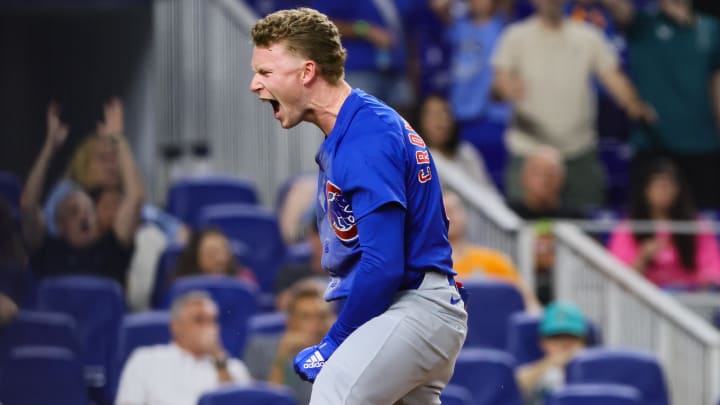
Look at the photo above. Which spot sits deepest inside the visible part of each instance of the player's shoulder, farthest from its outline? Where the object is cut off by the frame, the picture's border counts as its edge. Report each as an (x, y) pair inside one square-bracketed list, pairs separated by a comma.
[(375, 124)]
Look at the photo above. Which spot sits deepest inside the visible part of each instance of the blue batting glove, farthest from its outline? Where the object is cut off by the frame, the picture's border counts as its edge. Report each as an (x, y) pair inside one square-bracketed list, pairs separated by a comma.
[(310, 361)]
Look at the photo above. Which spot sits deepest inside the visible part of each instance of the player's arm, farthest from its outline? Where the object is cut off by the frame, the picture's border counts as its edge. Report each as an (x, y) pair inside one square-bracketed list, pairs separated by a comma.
[(377, 279)]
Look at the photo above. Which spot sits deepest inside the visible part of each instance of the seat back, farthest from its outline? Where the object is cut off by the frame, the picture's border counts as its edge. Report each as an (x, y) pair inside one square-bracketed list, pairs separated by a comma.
[(36, 328), (489, 307), (187, 197), (236, 304), (260, 394), (97, 305), (596, 394), (488, 375), (39, 375), (628, 367)]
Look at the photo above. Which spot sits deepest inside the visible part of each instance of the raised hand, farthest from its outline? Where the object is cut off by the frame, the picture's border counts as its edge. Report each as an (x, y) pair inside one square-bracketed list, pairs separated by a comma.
[(57, 131), (113, 118)]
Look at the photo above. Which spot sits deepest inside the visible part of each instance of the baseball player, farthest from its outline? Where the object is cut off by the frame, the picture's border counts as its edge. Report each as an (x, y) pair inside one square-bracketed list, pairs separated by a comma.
[(381, 221)]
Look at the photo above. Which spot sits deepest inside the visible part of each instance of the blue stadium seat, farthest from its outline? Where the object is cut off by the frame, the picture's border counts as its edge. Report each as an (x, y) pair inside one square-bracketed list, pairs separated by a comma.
[(260, 394), (236, 304), (615, 157), (35, 328), (523, 337), (256, 228), (490, 305), (10, 189), (166, 265), (637, 369), (137, 330), (456, 395), (267, 324), (41, 375), (188, 196), (596, 394), (97, 305), (488, 375)]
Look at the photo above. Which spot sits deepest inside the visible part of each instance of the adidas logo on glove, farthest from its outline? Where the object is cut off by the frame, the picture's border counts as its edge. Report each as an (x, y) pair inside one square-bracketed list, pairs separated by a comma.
[(315, 361)]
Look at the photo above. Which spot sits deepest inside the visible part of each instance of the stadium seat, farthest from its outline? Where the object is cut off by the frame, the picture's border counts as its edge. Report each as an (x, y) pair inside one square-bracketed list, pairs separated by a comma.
[(615, 157), (490, 305), (523, 337), (97, 305), (35, 328), (187, 197), (256, 228), (166, 265), (137, 330), (267, 324), (236, 304), (260, 394), (41, 375), (637, 369), (596, 394), (10, 189), (456, 395), (488, 375)]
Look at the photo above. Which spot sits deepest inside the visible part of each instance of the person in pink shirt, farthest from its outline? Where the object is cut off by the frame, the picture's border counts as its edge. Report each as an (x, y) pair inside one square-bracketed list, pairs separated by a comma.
[(668, 259)]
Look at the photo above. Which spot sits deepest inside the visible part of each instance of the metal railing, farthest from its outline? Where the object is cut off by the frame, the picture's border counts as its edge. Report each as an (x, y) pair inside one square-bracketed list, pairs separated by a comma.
[(633, 313)]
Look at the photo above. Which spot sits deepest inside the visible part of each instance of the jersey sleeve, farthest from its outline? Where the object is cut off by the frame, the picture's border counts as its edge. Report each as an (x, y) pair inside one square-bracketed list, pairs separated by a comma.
[(371, 169)]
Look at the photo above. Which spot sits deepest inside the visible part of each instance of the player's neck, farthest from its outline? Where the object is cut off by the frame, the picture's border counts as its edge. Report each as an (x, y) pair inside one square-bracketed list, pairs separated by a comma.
[(326, 103)]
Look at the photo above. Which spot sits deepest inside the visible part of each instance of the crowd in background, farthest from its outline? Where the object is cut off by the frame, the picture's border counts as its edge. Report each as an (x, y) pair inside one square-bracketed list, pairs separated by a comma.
[(520, 95)]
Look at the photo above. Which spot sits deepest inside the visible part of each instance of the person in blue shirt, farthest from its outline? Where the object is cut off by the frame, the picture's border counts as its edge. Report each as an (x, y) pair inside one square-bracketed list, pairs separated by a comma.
[(381, 219)]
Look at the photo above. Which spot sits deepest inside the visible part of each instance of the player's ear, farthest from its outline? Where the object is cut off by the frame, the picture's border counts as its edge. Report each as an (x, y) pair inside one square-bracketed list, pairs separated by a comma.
[(309, 71)]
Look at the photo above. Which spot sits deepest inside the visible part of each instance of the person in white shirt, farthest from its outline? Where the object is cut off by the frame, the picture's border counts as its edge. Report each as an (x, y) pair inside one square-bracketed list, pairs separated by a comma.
[(193, 363)]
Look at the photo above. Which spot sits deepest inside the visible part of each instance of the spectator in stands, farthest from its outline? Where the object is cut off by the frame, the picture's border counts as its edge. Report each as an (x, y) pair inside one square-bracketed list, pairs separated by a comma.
[(95, 166), (291, 274), (293, 205), (374, 35), (210, 252), (180, 372), (563, 331), (544, 66), (481, 118), (269, 358), (542, 180), (472, 261), (13, 265), (675, 59), (665, 257), (437, 126), (80, 247)]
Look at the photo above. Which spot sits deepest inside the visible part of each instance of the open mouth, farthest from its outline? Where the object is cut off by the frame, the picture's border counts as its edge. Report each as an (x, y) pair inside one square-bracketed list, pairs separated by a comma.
[(275, 105)]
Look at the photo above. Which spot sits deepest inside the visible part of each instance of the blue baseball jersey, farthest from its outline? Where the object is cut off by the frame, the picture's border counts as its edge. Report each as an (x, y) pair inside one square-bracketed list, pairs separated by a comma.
[(373, 158)]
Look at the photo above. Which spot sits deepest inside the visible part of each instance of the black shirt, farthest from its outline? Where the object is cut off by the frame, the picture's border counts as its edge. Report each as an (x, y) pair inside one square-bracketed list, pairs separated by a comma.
[(106, 257)]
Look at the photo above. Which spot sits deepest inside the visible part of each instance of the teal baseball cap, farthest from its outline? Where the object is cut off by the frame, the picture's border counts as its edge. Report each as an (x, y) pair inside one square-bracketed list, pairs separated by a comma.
[(563, 318)]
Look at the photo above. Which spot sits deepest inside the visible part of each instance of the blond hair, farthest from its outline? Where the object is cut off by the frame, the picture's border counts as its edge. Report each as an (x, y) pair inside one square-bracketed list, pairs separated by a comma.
[(306, 32), (77, 170)]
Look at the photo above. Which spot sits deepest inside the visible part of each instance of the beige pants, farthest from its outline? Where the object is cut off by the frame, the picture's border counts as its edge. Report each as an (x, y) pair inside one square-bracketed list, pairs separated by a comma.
[(404, 356)]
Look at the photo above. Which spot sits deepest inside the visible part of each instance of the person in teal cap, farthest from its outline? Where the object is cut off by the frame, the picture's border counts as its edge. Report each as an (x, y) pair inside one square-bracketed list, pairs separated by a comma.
[(563, 332)]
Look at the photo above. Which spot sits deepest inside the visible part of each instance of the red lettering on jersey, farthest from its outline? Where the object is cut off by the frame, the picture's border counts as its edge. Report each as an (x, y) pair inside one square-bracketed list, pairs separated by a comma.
[(424, 175), (416, 140), (422, 157)]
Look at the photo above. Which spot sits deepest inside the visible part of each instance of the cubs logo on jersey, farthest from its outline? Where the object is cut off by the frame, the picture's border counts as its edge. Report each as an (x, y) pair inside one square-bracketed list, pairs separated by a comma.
[(340, 214)]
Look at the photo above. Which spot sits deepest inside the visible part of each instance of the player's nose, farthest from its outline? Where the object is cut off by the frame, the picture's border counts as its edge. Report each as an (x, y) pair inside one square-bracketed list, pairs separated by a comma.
[(255, 85)]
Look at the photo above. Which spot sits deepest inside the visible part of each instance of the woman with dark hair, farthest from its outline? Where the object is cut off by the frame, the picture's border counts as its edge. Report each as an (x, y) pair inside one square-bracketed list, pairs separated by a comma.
[(209, 252), (667, 257), (438, 128)]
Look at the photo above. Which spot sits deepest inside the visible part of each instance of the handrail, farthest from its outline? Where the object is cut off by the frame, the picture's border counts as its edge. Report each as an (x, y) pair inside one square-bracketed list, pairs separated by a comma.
[(496, 209), (611, 267)]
